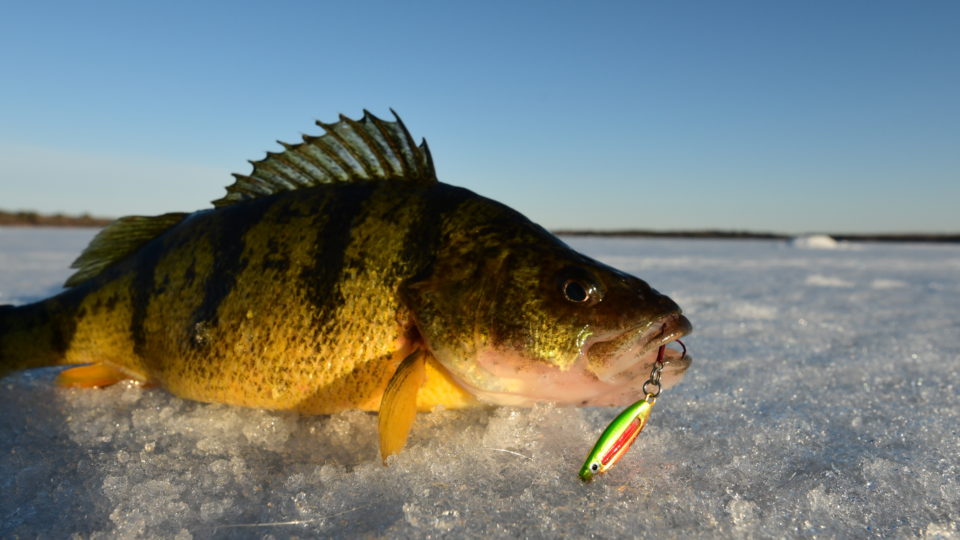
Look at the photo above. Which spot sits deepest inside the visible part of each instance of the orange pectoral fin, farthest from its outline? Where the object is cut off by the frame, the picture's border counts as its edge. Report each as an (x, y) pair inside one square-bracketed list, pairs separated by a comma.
[(398, 408), (90, 376)]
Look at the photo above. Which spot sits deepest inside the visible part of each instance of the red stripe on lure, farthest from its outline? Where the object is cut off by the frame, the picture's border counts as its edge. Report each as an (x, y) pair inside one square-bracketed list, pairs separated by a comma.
[(622, 444)]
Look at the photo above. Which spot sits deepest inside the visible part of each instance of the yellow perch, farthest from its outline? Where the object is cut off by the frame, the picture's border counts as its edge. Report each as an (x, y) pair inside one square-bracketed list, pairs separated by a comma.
[(341, 274)]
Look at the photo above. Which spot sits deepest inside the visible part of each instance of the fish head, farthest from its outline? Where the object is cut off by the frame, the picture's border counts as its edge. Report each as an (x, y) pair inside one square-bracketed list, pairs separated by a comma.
[(519, 317)]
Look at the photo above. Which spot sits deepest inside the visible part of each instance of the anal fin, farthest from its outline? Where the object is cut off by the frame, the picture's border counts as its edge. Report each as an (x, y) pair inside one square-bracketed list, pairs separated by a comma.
[(398, 408), (90, 376)]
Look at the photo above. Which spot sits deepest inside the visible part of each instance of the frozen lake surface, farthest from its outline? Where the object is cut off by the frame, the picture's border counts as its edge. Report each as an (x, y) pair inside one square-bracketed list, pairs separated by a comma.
[(824, 401)]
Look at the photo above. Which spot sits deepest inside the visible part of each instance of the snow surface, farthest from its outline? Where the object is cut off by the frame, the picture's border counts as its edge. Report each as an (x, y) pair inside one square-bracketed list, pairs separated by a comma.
[(822, 402)]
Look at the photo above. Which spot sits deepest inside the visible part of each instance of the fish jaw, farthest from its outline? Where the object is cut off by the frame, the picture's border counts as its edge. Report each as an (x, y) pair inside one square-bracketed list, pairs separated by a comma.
[(615, 358), (607, 372)]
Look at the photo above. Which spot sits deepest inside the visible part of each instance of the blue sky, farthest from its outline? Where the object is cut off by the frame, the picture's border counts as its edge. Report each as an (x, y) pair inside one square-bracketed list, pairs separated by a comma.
[(779, 116)]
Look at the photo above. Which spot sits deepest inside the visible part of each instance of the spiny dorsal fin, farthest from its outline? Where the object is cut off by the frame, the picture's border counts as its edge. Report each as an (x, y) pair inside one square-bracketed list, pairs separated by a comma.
[(116, 241), (349, 151)]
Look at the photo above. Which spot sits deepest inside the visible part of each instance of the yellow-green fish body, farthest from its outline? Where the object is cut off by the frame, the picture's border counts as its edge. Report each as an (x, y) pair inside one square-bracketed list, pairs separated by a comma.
[(319, 273)]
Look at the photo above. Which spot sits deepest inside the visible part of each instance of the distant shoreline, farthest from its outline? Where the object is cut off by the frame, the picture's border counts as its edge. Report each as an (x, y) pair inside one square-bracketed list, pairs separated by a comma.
[(749, 235), (25, 218), (36, 219)]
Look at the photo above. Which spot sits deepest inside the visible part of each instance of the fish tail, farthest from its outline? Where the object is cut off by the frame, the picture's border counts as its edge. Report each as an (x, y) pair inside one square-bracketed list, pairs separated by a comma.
[(34, 335)]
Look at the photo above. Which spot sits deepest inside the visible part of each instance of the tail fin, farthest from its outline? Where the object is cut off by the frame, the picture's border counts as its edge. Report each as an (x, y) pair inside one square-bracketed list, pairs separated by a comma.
[(33, 336)]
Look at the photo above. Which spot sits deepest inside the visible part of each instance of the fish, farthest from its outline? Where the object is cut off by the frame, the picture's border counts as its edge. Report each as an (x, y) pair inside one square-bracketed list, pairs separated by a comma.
[(341, 274)]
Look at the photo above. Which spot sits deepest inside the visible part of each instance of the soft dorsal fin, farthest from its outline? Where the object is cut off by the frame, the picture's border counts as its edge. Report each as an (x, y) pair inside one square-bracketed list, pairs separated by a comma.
[(116, 241), (349, 151)]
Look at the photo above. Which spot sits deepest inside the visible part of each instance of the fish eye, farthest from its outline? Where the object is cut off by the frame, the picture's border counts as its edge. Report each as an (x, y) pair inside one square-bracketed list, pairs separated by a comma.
[(594, 466), (575, 291), (579, 286)]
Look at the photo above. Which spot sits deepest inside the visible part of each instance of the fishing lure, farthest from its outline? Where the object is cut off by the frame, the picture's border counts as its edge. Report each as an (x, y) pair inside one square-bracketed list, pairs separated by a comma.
[(623, 430)]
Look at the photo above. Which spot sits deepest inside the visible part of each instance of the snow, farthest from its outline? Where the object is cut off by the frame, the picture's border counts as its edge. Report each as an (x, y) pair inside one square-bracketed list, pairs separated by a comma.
[(824, 400), (815, 241)]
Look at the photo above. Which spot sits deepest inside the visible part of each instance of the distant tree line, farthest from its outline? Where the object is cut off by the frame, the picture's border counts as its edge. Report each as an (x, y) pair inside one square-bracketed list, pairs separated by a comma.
[(26, 218), (879, 237)]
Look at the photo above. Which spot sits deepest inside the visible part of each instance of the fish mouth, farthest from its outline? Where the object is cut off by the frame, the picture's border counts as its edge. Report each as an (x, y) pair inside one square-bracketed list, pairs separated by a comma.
[(610, 370), (617, 358)]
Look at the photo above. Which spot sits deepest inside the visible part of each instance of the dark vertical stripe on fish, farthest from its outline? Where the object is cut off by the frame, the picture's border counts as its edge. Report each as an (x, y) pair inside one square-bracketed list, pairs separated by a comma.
[(63, 326), (228, 228), (423, 237), (343, 206), (141, 291)]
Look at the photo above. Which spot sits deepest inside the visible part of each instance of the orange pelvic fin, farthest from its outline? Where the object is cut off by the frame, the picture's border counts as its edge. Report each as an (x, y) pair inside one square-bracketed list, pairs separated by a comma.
[(90, 376), (398, 408)]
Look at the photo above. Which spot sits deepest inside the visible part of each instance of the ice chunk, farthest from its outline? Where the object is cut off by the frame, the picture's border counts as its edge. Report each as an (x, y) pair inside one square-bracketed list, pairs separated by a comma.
[(815, 241)]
